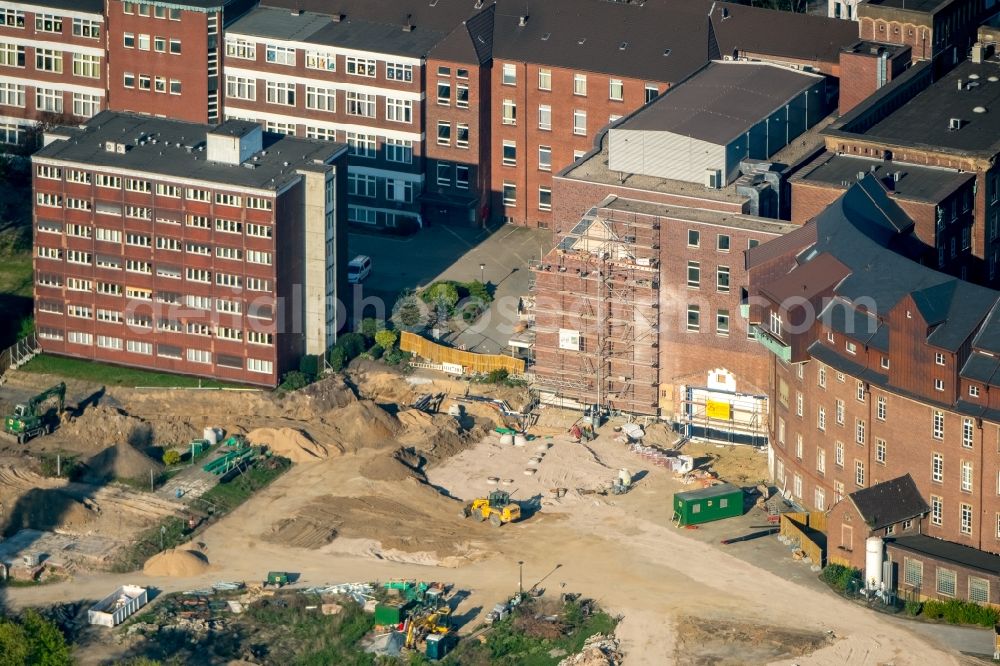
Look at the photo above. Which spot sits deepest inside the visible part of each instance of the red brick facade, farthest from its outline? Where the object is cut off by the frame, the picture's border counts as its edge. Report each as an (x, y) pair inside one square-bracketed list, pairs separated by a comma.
[(865, 68)]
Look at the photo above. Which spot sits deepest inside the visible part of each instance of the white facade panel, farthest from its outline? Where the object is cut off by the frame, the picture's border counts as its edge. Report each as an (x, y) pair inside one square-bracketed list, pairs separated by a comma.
[(664, 155)]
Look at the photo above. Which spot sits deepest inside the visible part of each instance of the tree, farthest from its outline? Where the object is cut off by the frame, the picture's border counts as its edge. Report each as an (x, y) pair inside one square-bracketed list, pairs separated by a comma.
[(13, 644), (443, 293), (26, 327), (337, 359), (406, 313), (294, 380), (171, 457), (386, 339)]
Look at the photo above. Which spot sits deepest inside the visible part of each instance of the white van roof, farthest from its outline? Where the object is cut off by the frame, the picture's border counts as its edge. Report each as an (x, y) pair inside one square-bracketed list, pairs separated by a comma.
[(359, 260)]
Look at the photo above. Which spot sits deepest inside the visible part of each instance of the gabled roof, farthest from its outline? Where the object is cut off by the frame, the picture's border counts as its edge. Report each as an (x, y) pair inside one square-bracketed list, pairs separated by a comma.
[(889, 502), (470, 42), (817, 277)]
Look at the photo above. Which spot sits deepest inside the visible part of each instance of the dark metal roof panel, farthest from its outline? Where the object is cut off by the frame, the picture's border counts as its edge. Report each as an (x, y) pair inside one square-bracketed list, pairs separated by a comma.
[(889, 502), (947, 551)]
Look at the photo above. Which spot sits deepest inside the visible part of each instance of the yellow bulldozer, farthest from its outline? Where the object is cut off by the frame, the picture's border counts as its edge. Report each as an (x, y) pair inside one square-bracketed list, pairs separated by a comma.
[(421, 625), (497, 507)]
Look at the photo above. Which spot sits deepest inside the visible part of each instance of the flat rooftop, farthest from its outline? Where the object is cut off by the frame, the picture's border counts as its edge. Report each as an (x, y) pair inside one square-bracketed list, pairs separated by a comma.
[(915, 182), (731, 220), (174, 148), (89, 6), (722, 101), (874, 48), (925, 121), (593, 168), (322, 30)]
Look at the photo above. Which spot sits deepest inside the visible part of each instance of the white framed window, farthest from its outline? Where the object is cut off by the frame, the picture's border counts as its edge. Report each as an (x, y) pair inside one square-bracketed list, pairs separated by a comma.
[(444, 93), (49, 99), (241, 48), (321, 99), (937, 468), (49, 60), (175, 47), (879, 450), (87, 66), (395, 71), (259, 230), (399, 190), (279, 55), (979, 590), (259, 257), (399, 150), (462, 177), (544, 117), (937, 423), (579, 122), (821, 418), (545, 79), (109, 235), (859, 473), (12, 94), (544, 198), (545, 158), (509, 193), (880, 408), (241, 87), (722, 279), (616, 90), (11, 55), (139, 347), (509, 77), (580, 84), (937, 510), (859, 431), (938, 384), (693, 318), (968, 431), (48, 23), (360, 145), (281, 93), (509, 154), (462, 96), (938, 358), (965, 518), (360, 104), (361, 185), (109, 342), (79, 338), (199, 356), (85, 105), (261, 366), (693, 274), (821, 461), (86, 28), (360, 67), (966, 468), (444, 133), (509, 112), (143, 42), (323, 60), (398, 110), (973, 391)]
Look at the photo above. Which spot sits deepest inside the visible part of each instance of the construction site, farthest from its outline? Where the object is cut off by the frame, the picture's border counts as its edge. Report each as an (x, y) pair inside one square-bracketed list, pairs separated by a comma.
[(379, 474)]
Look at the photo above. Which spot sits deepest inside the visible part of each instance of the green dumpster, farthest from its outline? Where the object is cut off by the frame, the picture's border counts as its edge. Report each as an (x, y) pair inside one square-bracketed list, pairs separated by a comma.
[(277, 578), (391, 613), (703, 506)]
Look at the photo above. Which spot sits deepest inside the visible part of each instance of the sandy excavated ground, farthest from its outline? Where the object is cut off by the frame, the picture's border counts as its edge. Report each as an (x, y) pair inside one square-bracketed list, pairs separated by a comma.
[(371, 509)]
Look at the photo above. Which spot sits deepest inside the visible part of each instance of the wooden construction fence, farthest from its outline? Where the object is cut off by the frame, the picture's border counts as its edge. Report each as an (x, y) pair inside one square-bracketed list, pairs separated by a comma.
[(809, 530), (470, 362)]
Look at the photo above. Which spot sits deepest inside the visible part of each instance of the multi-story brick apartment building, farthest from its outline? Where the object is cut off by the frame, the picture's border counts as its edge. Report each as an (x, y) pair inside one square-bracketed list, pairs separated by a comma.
[(947, 125), (217, 251), (165, 58), (53, 64), (931, 28), (638, 306), (881, 366)]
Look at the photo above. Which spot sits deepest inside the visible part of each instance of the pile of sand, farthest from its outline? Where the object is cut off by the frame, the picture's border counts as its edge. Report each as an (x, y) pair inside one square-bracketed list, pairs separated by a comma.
[(45, 509), (176, 564), (388, 468), (414, 418), (362, 424), (121, 461), (290, 443)]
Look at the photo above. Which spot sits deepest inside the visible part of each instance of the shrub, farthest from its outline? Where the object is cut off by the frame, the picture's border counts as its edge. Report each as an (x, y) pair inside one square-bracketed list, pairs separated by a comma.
[(839, 577), (369, 327), (353, 345), (376, 352), (406, 312), (479, 291), (171, 457), (337, 359), (954, 611), (294, 380), (497, 376), (386, 339), (309, 366), (913, 608), (441, 294)]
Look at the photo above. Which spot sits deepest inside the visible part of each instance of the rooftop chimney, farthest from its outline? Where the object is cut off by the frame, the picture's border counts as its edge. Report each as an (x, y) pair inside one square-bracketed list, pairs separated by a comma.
[(522, 20)]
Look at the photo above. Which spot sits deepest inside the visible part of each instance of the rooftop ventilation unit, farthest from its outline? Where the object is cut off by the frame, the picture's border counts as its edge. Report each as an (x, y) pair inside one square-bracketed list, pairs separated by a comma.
[(954, 123), (522, 20)]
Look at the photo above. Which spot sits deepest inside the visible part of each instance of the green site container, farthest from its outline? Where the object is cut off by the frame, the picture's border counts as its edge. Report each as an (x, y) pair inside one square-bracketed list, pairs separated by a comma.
[(391, 613), (439, 645), (277, 578), (703, 506)]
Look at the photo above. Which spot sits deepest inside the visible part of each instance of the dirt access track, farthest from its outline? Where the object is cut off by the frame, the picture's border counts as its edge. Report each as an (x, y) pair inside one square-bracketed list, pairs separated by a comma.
[(386, 505)]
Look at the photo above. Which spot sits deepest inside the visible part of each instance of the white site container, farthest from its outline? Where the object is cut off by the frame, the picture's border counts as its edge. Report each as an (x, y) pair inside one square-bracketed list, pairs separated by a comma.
[(210, 435), (117, 606)]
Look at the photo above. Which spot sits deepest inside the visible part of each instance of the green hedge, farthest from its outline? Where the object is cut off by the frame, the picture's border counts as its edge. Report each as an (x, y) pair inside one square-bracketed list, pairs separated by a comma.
[(954, 611), (839, 577)]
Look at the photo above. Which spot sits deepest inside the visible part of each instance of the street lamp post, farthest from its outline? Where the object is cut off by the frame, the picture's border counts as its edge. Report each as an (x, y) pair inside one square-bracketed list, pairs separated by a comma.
[(482, 273)]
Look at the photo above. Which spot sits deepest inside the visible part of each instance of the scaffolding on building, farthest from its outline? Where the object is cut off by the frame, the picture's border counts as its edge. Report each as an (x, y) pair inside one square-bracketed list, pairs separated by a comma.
[(597, 316), (724, 416)]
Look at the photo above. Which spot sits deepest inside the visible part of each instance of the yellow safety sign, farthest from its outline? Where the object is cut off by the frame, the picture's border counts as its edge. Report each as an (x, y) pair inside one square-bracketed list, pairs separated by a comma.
[(717, 410)]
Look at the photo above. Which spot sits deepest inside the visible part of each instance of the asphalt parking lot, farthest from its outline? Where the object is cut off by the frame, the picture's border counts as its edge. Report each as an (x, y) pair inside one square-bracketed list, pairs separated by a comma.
[(452, 253)]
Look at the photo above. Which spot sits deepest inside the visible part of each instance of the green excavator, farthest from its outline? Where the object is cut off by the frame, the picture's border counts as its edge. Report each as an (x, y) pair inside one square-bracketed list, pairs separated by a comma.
[(28, 420)]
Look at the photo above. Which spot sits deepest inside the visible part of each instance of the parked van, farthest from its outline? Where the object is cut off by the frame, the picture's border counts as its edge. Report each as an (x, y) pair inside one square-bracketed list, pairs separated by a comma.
[(359, 269)]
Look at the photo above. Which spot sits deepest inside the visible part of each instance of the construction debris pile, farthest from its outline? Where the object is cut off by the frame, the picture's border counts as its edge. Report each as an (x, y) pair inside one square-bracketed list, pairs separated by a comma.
[(598, 650)]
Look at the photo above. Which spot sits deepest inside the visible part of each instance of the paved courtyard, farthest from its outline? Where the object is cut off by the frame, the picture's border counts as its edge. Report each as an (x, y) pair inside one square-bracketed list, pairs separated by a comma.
[(453, 253)]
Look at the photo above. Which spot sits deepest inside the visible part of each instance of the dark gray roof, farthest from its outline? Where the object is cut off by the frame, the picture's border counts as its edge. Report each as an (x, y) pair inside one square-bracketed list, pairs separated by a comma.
[(722, 101), (915, 182), (840, 363), (950, 553), (889, 502), (351, 33), (981, 368), (909, 5), (924, 120), (234, 127), (170, 157), (791, 35), (441, 16), (90, 6), (717, 490), (471, 42)]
